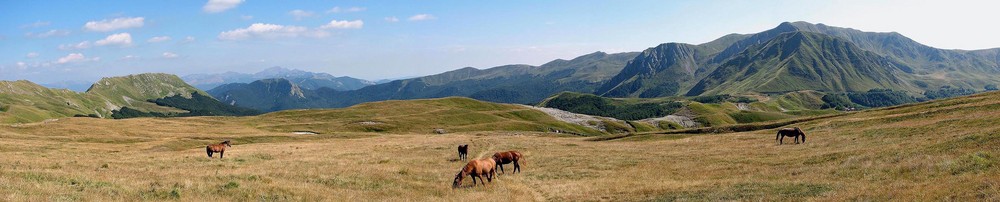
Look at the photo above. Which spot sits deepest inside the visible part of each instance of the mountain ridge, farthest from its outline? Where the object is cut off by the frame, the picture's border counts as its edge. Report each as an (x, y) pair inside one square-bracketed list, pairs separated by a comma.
[(305, 79)]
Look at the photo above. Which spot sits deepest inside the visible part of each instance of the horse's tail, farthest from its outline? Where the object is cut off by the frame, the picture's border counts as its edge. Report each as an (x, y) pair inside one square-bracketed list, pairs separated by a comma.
[(777, 136), (208, 149), (522, 159)]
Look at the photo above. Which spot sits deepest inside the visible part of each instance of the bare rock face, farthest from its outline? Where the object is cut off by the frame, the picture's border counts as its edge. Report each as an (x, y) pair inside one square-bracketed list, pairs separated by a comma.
[(439, 131)]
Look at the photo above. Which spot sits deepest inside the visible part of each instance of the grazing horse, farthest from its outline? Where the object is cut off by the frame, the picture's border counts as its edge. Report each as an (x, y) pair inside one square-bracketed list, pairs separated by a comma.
[(463, 152), (476, 168), (790, 132), (221, 148), (508, 157)]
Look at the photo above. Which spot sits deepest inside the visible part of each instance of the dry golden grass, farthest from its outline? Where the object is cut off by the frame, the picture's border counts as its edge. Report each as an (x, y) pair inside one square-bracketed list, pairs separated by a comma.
[(944, 150)]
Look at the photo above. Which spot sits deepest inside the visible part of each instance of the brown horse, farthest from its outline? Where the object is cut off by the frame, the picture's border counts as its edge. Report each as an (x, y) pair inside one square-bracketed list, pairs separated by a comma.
[(790, 132), (220, 148), (508, 157), (463, 152), (476, 168)]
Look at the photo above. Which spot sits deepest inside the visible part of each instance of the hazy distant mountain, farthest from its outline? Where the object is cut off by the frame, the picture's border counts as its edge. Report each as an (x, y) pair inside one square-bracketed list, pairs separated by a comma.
[(78, 86), (304, 79)]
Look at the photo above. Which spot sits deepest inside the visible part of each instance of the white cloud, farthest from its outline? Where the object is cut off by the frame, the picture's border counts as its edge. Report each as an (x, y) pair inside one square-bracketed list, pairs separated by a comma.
[(158, 39), (246, 17), (47, 34), (347, 10), (216, 6), (22, 65), (77, 46), (169, 55), (114, 24), (391, 19), (263, 30), (422, 17), (75, 57), (129, 57), (36, 24), (299, 14), (121, 39), (188, 39), (31, 55), (344, 24)]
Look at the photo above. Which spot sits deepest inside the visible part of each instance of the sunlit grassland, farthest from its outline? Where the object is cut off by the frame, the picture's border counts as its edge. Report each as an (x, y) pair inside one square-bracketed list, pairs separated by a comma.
[(941, 150)]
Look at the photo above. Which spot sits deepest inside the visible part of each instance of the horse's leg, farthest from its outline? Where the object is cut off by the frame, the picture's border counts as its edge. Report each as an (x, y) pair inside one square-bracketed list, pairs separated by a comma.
[(782, 140), (501, 167), (221, 153), (473, 176), (517, 167)]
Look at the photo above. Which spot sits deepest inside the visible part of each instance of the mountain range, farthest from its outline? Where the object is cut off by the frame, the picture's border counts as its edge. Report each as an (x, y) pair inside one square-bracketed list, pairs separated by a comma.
[(507, 84), (793, 56), (802, 56), (304, 79)]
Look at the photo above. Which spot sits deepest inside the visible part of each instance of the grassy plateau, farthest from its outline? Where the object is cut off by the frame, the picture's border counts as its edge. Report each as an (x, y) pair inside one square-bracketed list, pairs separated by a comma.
[(939, 150)]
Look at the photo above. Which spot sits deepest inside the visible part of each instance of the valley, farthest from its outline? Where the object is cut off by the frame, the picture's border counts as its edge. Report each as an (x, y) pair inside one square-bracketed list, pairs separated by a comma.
[(939, 150)]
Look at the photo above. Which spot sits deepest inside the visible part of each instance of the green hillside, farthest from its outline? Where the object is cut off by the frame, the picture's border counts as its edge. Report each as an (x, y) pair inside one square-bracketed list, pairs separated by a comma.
[(705, 110), (679, 68), (589, 104), (24, 101), (797, 61), (453, 114)]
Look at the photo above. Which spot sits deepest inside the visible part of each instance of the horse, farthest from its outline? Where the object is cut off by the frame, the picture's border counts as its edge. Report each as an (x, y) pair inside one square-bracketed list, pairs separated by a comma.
[(476, 168), (221, 148), (508, 157), (463, 152), (790, 132)]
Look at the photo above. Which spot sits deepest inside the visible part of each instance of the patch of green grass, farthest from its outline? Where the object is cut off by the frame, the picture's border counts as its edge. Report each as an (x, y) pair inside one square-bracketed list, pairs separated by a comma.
[(669, 125), (641, 126), (754, 191), (616, 127), (974, 162), (231, 185)]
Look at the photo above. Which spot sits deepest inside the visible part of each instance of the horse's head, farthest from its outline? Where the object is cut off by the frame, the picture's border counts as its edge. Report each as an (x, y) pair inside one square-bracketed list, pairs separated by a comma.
[(228, 143), (803, 134), (458, 180)]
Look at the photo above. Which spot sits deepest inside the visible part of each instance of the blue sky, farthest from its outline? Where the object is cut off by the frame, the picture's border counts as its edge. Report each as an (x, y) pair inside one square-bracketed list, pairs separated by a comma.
[(53, 41)]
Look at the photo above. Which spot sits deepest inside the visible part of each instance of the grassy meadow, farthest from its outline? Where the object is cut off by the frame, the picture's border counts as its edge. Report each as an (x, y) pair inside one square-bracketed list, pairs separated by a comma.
[(940, 150)]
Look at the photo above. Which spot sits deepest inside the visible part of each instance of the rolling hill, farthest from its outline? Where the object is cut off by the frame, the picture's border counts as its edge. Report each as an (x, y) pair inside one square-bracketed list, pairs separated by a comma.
[(453, 114), (24, 101)]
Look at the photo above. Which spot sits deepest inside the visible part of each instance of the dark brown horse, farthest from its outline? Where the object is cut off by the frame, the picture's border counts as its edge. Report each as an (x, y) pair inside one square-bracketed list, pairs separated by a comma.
[(220, 148), (463, 152), (508, 157), (476, 168), (790, 132)]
